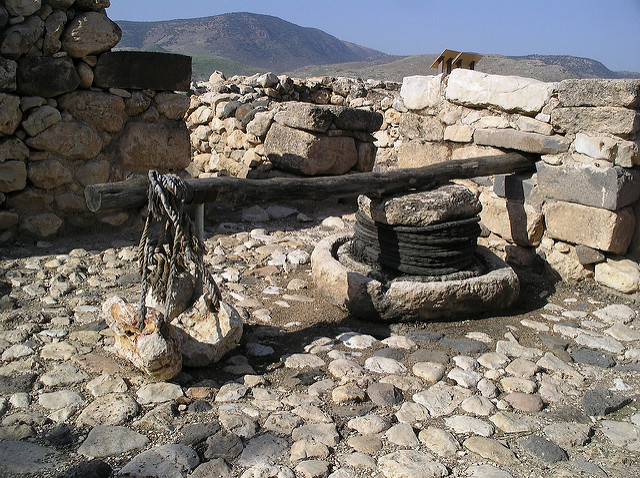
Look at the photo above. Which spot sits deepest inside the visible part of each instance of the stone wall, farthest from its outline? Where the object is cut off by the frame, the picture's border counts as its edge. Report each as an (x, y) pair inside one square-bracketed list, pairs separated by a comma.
[(73, 113), (577, 212)]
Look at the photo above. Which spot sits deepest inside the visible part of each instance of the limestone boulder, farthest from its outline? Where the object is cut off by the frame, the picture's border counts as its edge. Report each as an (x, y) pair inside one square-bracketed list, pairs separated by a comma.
[(8, 74), (603, 186), (47, 77), (459, 133), (603, 119), (309, 154), (356, 119), (20, 38), (419, 92), (13, 176), (609, 231), (205, 334), (608, 148), (260, 124), (13, 148), (599, 92), (22, 7), (103, 111), (427, 128), (619, 274), (172, 106), (54, 27), (72, 140), (445, 203), (418, 153), (515, 221), (93, 172), (163, 145), (508, 93), (521, 141), (306, 116), (49, 174), (41, 225), (40, 119), (10, 114), (90, 33)]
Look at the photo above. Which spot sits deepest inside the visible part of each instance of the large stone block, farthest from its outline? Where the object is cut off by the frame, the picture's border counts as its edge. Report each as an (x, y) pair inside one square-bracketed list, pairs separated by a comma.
[(10, 114), (310, 154), (598, 92), (356, 119), (419, 92), (427, 128), (22, 7), (13, 148), (608, 147), (521, 141), (163, 145), (604, 119), (90, 33), (8, 74), (514, 221), (607, 187), (418, 153), (171, 105), (609, 231), (46, 77), (143, 70), (13, 176), (70, 140), (20, 38), (49, 174), (306, 116), (103, 111), (509, 93)]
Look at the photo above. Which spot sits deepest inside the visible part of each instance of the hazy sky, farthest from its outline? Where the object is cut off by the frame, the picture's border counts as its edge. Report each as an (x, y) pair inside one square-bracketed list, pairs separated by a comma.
[(604, 30)]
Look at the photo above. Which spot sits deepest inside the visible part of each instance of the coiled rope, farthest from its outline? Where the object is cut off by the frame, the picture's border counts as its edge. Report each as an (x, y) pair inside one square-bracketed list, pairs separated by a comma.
[(163, 258)]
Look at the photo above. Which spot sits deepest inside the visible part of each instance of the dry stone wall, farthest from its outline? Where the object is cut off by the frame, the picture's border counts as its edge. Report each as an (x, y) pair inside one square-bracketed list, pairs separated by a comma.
[(577, 212), (73, 113)]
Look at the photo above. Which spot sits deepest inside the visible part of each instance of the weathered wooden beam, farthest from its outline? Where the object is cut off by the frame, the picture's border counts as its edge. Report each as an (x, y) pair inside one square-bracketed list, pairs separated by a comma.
[(238, 191)]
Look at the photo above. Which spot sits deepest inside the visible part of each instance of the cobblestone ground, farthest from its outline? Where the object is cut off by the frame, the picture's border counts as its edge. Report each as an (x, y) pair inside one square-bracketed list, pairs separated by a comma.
[(546, 389)]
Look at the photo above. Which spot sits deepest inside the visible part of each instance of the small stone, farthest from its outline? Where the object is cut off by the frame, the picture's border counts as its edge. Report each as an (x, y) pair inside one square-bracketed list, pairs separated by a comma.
[(524, 402), (429, 371), (103, 441), (511, 423), (464, 378), (600, 401), (402, 434), (110, 409), (568, 434), (347, 393), (515, 384), (439, 441), (365, 444), (487, 471), (170, 461), (223, 445), (477, 405), (384, 365), (312, 469), (368, 424), (60, 399), (465, 346), (214, 468), (487, 388), (308, 448), (441, 399), (463, 424), (299, 361), (267, 448), (491, 450), (384, 394), (231, 392), (522, 368), (357, 341), (543, 449), (621, 434), (158, 393), (323, 432), (410, 464), (596, 358)]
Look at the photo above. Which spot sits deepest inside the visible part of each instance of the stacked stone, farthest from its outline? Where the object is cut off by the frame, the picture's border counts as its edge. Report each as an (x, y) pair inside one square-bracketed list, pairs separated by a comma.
[(67, 122), (579, 206), (229, 119)]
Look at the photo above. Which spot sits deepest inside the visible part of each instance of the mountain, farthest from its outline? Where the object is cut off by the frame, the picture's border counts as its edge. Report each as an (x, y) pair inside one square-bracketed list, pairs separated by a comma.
[(540, 67), (250, 39), (248, 43)]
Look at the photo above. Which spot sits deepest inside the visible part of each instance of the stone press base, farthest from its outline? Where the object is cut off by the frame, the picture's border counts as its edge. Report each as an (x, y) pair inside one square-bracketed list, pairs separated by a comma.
[(367, 295)]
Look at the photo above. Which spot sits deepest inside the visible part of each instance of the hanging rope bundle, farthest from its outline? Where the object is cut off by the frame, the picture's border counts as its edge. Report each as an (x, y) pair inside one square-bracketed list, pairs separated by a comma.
[(162, 259)]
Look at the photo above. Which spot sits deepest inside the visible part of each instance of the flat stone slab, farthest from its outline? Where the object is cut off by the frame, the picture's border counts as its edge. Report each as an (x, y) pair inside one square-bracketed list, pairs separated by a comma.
[(521, 141), (143, 70), (22, 457), (601, 401), (403, 299)]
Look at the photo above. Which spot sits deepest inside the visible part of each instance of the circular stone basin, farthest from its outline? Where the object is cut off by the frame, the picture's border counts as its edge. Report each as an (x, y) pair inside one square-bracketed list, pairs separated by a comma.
[(365, 293)]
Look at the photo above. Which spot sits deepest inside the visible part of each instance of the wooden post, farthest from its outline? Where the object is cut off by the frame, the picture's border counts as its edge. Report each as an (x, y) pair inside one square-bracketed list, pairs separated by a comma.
[(238, 191)]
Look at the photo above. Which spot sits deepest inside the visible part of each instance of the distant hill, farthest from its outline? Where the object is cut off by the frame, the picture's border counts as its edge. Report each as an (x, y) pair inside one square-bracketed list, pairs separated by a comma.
[(247, 43), (261, 41)]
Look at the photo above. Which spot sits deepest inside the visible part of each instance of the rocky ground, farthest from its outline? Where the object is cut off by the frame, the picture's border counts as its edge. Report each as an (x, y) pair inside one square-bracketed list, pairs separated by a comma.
[(548, 388)]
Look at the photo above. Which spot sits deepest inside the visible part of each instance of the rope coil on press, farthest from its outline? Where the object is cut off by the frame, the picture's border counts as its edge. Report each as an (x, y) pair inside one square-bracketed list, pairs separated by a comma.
[(163, 258)]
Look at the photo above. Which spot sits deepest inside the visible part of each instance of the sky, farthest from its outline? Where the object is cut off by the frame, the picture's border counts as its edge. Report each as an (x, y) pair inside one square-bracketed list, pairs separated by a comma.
[(603, 30)]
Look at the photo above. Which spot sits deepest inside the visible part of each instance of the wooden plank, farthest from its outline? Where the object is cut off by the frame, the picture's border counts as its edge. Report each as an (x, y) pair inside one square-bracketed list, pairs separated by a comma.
[(240, 192)]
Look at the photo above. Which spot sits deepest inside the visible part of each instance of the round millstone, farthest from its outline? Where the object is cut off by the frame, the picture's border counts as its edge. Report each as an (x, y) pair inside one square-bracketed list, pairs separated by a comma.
[(445, 203)]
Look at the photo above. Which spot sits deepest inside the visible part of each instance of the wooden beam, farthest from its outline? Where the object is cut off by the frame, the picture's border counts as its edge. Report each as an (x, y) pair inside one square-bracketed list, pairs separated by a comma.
[(240, 192)]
